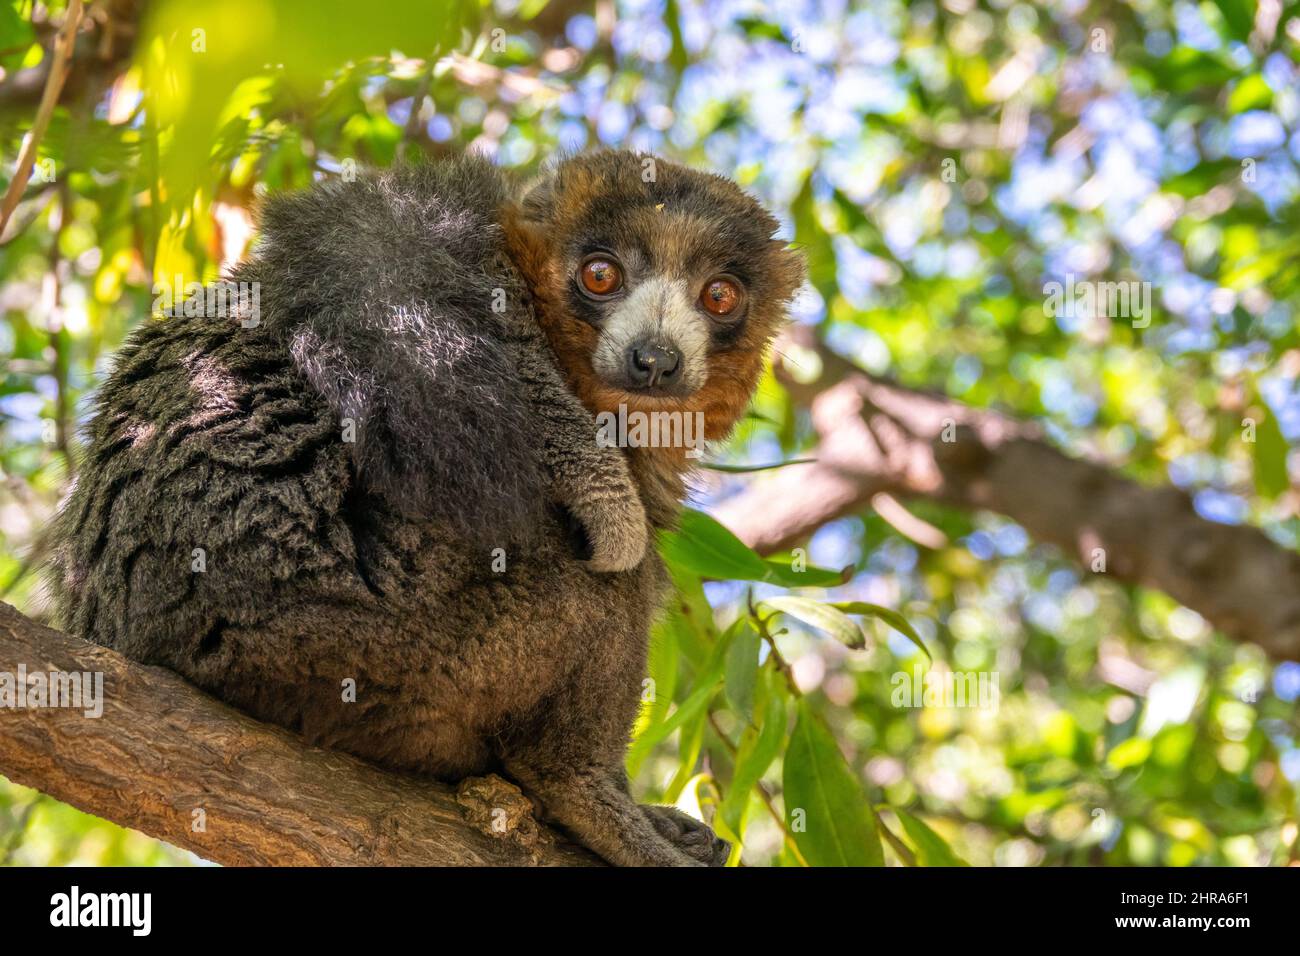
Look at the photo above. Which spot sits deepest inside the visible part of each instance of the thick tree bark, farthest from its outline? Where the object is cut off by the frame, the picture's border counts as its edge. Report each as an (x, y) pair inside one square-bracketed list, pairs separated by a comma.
[(879, 437), (168, 760)]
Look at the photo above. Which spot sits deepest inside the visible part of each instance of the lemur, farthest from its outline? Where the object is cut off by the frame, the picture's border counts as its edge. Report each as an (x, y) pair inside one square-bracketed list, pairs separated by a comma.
[(391, 474)]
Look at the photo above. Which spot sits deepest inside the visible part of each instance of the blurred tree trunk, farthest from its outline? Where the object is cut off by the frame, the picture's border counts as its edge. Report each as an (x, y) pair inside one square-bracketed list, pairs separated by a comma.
[(877, 437)]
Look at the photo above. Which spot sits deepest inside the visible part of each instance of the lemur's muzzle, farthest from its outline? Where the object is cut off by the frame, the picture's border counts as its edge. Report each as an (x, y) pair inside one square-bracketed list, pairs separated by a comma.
[(653, 365), (655, 343)]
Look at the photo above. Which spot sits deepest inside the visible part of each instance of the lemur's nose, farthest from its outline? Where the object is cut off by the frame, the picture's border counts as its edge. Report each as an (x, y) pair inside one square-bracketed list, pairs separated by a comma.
[(651, 365)]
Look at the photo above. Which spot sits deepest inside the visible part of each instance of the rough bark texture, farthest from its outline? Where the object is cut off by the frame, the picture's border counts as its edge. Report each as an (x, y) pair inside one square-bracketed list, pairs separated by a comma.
[(163, 750), (877, 436)]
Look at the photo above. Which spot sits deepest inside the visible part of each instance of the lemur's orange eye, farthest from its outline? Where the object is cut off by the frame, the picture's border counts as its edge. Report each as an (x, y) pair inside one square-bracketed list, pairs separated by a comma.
[(720, 296), (600, 275)]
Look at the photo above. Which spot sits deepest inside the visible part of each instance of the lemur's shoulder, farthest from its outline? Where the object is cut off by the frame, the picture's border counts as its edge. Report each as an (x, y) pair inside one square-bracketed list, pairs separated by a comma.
[(367, 234), (396, 299)]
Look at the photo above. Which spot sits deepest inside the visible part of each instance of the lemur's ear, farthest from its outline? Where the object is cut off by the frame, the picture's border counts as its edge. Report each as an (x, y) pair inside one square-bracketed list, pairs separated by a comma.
[(538, 199), (792, 263)]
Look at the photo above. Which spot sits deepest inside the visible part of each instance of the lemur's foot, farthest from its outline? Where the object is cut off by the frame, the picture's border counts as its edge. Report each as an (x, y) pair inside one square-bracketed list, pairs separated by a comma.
[(611, 533), (689, 835)]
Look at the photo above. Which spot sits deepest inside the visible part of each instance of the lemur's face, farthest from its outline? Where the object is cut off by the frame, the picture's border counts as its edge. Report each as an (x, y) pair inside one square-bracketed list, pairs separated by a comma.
[(656, 324), (660, 287)]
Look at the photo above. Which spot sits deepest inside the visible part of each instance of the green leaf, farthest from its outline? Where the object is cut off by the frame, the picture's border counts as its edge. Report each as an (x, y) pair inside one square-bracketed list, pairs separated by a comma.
[(755, 416), (702, 545), (761, 29), (889, 616), (663, 663), (702, 692), (690, 708), (828, 814), (758, 748), (696, 633), (1238, 17), (677, 57), (1201, 178), (1271, 478), (530, 8), (1252, 93), (742, 670), (688, 754), (931, 849), (781, 570), (824, 617), (15, 33), (307, 40), (1130, 753)]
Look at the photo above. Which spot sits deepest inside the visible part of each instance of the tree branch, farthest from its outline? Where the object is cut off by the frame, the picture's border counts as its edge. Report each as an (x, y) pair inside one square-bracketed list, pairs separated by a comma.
[(162, 751), (877, 436), (53, 86)]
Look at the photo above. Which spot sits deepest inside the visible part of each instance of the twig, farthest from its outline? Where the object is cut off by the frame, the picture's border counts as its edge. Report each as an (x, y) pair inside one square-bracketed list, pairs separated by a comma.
[(58, 340), (760, 625), (53, 87), (37, 209)]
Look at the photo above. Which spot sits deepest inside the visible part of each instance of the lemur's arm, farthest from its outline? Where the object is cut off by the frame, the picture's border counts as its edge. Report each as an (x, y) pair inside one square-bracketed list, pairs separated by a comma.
[(593, 482)]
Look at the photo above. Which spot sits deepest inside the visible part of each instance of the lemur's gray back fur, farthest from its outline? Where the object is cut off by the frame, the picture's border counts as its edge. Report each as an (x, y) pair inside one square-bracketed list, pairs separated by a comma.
[(386, 287)]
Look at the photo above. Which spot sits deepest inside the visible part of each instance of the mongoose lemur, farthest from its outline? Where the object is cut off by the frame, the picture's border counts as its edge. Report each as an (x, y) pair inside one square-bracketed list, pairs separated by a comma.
[(392, 474)]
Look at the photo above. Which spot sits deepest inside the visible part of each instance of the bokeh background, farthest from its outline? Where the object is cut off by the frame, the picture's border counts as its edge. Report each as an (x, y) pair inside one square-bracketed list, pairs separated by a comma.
[(938, 162)]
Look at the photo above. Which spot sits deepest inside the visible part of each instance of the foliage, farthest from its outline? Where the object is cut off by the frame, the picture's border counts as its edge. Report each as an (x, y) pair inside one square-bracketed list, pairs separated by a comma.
[(939, 164)]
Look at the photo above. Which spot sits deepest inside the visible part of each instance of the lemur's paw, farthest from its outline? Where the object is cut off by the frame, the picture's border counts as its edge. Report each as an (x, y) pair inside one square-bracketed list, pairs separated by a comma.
[(615, 533), (689, 835)]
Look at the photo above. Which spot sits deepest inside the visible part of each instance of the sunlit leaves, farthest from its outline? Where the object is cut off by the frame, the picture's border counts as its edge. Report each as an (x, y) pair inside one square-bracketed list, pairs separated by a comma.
[(750, 469), (15, 33), (922, 273), (1238, 17), (891, 617), (759, 746), (742, 669), (704, 547), (194, 54), (930, 848), (1252, 92), (1271, 449), (693, 708), (823, 617), (825, 807)]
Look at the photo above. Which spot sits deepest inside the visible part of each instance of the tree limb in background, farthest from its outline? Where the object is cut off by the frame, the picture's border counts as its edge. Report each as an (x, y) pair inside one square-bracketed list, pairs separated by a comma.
[(53, 86), (166, 759), (879, 437)]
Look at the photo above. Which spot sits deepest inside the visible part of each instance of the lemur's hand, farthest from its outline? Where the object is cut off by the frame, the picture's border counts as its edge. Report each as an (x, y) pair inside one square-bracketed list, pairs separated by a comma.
[(611, 533)]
